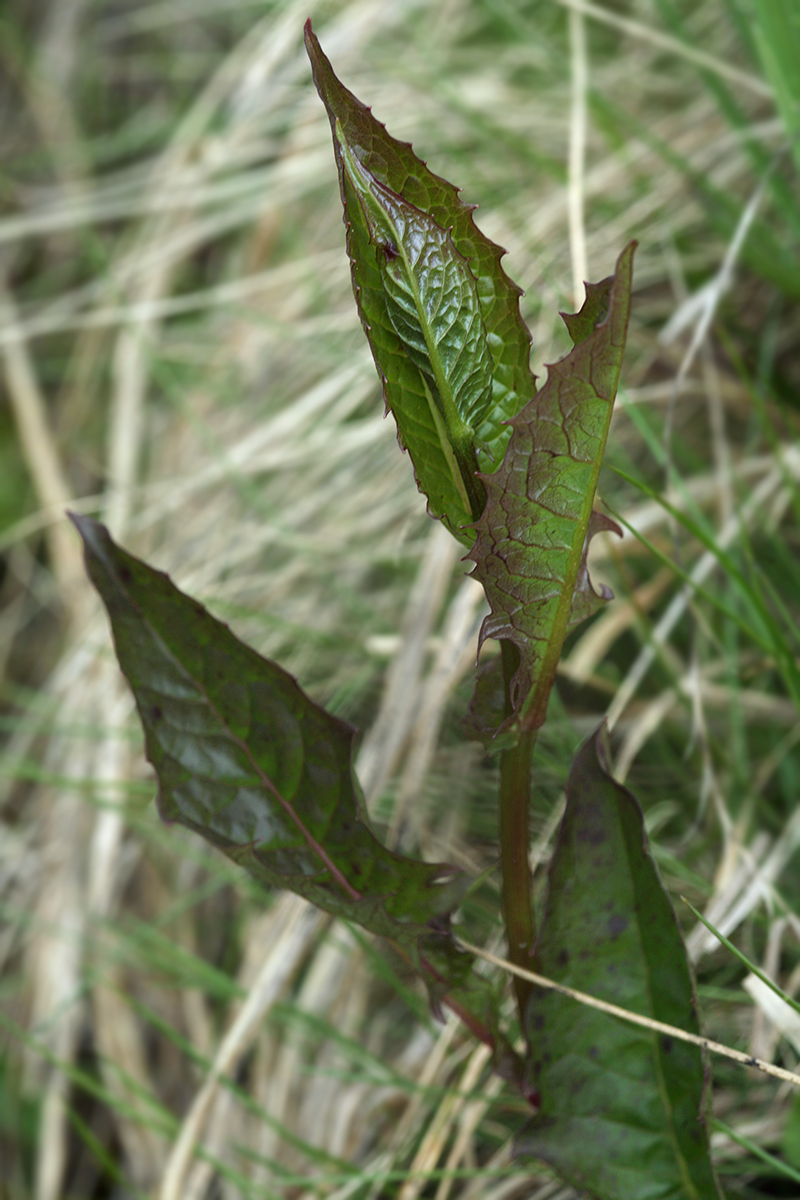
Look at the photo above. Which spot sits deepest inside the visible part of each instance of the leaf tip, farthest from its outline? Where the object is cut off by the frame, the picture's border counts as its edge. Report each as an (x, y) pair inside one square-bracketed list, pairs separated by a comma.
[(598, 300), (93, 534), (77, 520)]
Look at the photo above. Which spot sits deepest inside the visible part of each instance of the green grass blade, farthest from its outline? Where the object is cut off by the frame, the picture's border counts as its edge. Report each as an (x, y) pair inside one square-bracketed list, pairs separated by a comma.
[(777, 1164), (743, 959), (777, 35)]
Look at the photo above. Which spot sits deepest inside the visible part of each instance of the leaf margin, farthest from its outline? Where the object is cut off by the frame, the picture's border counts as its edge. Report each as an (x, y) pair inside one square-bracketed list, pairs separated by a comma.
[(593, 922), (395, 165), (531, 601)]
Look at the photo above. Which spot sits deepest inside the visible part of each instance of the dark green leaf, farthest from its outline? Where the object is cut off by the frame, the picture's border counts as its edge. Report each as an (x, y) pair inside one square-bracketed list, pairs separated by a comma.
[(247, 760), (441, 316), (623, 1109), (790, 1142), (532, 539), (487, 709)]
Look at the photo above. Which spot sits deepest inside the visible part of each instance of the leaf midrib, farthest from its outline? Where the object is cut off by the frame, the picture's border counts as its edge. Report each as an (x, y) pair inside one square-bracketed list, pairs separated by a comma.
[(453, 433)]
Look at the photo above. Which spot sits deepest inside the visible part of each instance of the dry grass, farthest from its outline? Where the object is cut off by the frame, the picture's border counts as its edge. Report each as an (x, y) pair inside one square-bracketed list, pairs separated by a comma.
[(182, 357)]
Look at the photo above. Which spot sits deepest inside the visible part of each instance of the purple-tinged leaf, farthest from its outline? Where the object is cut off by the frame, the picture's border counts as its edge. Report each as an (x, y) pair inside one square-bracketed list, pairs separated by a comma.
[(247, 760), (533, 537), (441, 316), (623, 1109), (487, 709)]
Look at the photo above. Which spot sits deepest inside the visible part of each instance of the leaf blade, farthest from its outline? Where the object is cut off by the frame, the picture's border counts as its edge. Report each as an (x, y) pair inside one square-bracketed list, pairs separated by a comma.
[(532, 539), (247, 760), (250, 762), (431, 297), (623, 1109), (394, 166)]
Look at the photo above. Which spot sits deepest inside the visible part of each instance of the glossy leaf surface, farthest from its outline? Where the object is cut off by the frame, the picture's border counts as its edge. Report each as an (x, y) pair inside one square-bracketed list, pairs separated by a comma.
[(441, 316), (532, 539), (431, 299), (623, 1109), (246, 759)]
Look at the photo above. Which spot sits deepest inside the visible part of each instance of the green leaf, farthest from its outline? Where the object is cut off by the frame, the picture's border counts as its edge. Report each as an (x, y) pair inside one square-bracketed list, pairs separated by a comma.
[(247, 760), (441, 316), (431, 299), (623, 1110), (532, 539), (790, 1141)]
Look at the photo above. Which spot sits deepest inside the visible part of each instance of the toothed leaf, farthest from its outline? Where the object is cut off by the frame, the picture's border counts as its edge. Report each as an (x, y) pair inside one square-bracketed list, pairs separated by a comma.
[(532, 539), (431, 299), (441, 316)]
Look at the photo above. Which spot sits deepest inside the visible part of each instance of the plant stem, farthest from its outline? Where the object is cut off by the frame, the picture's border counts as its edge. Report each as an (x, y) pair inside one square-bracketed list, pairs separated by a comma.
[(515, 799)]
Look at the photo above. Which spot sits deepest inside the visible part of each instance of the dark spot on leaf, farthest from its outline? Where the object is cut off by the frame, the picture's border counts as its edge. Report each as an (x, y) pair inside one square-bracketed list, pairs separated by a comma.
[(125, 574), (538, 1022), (390, 251), (593, 1052), (617, 925), (156, 712), (666, 1044), (563, 957)]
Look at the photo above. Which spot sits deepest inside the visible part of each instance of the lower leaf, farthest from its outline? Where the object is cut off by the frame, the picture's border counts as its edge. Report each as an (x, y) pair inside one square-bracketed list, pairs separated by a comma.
[(623, 1109), (247, 760)]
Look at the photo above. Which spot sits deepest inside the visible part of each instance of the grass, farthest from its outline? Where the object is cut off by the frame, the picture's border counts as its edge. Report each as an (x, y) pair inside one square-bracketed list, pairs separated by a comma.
[(182, 357)]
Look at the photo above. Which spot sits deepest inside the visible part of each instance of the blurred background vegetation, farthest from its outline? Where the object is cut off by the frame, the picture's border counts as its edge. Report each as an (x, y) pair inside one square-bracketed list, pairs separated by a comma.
[(180, 355)]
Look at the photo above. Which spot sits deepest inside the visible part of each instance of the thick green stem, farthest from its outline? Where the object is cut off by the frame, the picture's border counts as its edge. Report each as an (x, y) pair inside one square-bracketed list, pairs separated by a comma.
[(515, 799)]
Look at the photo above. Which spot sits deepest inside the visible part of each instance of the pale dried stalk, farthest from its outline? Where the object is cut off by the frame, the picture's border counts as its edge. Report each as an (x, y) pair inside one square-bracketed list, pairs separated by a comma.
[(298, 926), (633, 1018), (39, 448), (383, 744)]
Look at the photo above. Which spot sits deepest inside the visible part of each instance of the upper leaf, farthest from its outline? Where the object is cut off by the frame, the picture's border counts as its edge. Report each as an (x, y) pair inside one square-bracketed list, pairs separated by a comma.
[(623, 1109), (431, 299), (532, 539), (439, 311)]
